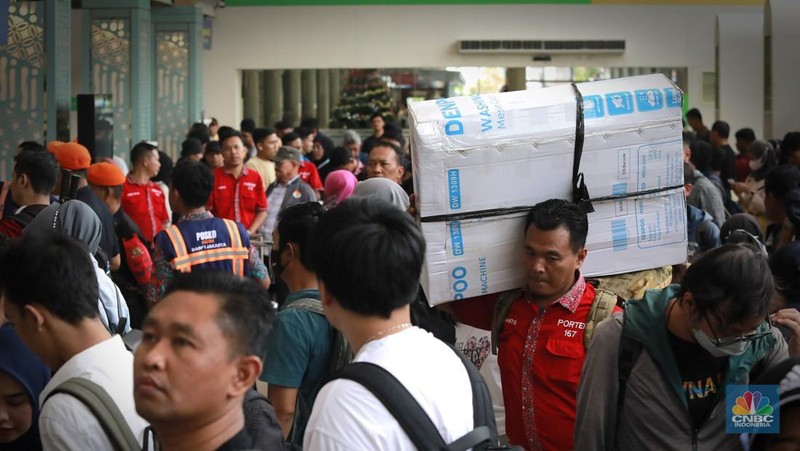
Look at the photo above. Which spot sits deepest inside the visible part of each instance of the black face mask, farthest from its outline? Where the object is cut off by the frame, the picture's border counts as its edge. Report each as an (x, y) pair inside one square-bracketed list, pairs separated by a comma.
[(275, 262)]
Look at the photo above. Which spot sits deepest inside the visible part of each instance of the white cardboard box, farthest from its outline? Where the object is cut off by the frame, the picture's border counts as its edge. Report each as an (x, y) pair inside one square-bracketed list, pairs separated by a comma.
[(514, 149), (479, 153), (481, 256)]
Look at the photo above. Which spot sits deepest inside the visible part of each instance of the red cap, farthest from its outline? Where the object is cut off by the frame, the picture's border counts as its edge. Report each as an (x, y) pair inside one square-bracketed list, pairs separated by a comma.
[(105, 174), (73, 156)]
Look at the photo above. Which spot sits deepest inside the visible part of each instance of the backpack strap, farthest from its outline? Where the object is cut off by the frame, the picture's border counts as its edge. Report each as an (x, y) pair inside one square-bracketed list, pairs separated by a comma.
[(103, 408), (398, 401), (501, 309), (629, 352), (602, 308), (483, 418)]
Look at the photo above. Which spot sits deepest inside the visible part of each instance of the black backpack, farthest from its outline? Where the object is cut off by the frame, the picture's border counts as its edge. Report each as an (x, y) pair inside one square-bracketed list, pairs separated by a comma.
[(412, 417)]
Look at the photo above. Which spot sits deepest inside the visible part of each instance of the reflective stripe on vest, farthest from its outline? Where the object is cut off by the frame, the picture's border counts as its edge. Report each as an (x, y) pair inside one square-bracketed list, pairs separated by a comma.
[(184, 261)]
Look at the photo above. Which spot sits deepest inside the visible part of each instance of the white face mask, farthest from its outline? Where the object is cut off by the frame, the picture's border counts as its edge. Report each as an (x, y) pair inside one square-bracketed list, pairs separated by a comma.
[(755, 165), (709, 345)]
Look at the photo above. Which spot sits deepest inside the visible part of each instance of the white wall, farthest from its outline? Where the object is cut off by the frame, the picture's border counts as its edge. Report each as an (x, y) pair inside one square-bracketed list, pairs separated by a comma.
[(740, 73), (781, 18), (426, 36)]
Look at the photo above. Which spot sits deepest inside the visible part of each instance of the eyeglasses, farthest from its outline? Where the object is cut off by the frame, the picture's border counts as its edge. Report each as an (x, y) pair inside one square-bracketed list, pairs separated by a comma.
[(727, 341)]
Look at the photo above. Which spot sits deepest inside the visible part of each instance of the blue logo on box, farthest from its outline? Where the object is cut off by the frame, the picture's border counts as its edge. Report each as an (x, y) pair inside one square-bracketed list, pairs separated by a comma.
[(649, 100), (674, 98), (593, 107), (752, 409), (454, 188), (456, 239), (619, 103)]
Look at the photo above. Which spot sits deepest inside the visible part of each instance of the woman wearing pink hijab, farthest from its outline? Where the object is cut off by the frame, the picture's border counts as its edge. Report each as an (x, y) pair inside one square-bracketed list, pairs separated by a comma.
[(339, 185)]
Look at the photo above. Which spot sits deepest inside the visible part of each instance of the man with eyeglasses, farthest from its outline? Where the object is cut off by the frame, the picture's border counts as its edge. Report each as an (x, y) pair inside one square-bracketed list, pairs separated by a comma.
[(656, 373)]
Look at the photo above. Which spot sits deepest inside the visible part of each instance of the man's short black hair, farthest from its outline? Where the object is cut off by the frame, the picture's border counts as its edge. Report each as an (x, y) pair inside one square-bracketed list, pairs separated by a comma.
[(247, 125), (746, 134), (295, 225), (340, 156), (688, 138), (194, 181), (395, 133), (789, 145), (398, 151), (381, 273), (261, 134), (310, 122), (41, 169), (228, 135), (701, 156), (26, 146), (245, 313), (288, 138), (53, 270), (303, 132), (694, 113), (140, 151), (554, 213), (200, 131), (781, 180), (214, 147), (732, 281), (282, 125), (226, 132), (721, 128), (374, 115)]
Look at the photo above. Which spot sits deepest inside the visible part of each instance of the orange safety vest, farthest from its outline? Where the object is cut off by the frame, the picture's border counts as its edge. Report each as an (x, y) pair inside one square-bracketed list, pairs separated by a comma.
[(236, 253)]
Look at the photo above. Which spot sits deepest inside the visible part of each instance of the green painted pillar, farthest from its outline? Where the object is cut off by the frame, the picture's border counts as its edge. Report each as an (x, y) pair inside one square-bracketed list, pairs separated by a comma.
[(273, 97), (309, 92), (118, 47), (177, 72), (323, 98), (515, 79), (291, 96)]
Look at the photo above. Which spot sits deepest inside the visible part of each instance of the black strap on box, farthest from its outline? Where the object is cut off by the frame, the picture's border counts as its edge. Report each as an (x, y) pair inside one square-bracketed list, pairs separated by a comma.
[(580, 193)]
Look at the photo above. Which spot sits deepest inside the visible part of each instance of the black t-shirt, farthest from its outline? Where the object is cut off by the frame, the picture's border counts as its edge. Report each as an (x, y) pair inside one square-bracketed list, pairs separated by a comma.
[(108, 238), (240, 441), (702, 375)]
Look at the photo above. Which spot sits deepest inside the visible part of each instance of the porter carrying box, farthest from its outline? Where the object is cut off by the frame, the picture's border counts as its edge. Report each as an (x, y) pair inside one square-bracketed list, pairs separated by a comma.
[(481, 161)]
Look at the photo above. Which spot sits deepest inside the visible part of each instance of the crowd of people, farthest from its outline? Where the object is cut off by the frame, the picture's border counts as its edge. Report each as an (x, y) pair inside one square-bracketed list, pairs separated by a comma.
[(263, 292)]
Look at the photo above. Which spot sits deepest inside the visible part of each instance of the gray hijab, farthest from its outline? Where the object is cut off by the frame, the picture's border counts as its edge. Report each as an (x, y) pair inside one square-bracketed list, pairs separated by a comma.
[(385, 189), (73, 218)]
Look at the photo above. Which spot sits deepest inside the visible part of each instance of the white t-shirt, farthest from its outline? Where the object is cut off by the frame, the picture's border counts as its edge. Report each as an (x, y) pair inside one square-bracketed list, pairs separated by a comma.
[(346, 416), (66, 423)]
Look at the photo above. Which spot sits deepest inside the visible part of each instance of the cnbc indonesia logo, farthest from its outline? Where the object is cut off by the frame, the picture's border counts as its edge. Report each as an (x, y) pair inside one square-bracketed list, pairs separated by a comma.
[(750, 410)]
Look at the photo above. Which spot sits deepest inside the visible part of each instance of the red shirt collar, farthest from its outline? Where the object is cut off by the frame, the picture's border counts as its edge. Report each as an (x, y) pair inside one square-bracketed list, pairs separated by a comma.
[(572, 298), (133, 181), (245, 171)]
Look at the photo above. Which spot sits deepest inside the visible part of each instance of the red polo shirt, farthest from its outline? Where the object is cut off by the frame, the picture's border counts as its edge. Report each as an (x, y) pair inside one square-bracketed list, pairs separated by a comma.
[(146, 206), (237, 199), (540, 395), (309, 174)]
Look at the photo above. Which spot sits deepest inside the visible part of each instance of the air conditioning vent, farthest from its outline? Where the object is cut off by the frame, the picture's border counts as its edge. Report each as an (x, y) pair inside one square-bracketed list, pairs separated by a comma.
[(541, 46)]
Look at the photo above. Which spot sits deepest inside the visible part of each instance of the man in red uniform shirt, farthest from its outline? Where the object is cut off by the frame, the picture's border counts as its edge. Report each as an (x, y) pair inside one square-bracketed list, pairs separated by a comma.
[(539, 329), (142, 200), (238, 193)]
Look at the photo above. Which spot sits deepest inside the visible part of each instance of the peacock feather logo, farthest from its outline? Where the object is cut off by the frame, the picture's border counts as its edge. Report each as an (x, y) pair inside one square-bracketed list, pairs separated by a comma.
[(752, 403)]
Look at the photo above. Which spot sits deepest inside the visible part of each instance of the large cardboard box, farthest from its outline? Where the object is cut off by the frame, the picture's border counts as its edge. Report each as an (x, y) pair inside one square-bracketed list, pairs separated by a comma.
[(476, 155), (473, 257), (511, 149)]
